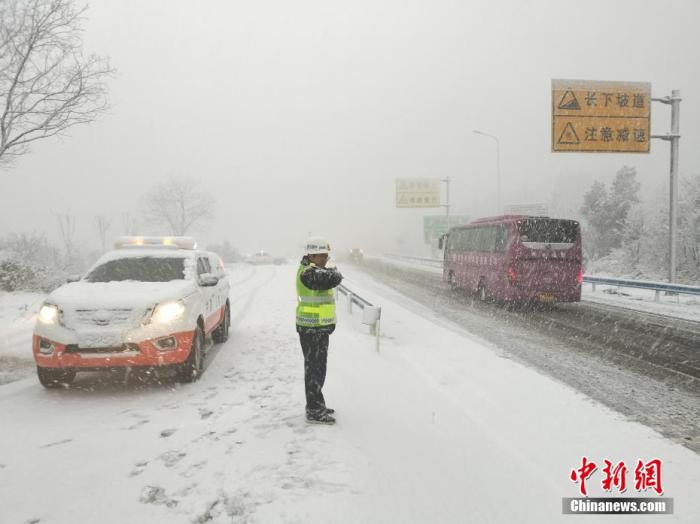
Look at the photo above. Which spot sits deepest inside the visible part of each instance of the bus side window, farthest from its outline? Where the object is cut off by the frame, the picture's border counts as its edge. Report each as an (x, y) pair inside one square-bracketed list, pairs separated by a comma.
[(500, 243), (483, 239), (469, 238), (476, 239), (458, 240), (465, 239), (454, 238), (490, 238), (454, 241)]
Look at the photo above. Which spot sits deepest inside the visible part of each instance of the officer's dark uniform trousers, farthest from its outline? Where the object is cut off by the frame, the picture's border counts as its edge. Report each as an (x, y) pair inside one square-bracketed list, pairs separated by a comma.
[(315, 348)]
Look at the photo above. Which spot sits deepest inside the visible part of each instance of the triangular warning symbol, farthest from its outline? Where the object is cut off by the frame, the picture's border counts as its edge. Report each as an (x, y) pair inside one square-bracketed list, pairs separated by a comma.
[(569, 136), (569, 101)]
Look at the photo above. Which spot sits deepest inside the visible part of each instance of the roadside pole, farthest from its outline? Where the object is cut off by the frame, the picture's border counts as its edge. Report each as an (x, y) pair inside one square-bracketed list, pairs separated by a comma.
[(674, 101), (446, 205)]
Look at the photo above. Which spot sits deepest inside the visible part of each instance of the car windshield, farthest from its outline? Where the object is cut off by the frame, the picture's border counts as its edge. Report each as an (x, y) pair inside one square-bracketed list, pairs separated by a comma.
[(548, 231), (142, 269)]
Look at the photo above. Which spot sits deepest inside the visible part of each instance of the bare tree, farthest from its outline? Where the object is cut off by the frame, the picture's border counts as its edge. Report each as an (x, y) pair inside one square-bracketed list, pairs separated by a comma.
[(47, 85), (66, 224), (103, 224), (178, 204), (32, 246), (129, 223)]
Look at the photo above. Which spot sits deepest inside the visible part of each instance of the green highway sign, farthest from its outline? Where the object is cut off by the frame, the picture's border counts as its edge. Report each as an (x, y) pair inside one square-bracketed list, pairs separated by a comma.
[(435, 226)]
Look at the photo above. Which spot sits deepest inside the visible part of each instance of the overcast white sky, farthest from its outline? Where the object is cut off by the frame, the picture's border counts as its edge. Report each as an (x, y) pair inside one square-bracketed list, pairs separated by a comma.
[(299, 115)]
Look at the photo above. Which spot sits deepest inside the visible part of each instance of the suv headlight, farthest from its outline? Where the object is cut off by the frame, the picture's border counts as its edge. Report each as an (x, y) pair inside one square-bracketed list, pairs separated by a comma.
[(49, 314), (168, 311)]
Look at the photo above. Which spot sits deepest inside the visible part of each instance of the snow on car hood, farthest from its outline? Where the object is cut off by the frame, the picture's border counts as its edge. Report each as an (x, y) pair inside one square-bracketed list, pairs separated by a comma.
[(123, 294)]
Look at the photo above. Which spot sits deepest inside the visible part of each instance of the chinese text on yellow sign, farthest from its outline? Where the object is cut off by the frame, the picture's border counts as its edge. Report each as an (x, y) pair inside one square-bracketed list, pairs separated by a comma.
[(417, 192), (610, 117)]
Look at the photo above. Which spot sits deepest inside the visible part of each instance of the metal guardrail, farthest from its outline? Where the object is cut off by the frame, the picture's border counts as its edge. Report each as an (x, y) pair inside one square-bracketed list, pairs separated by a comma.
[(434, 262), (371, 315), (657, 287)]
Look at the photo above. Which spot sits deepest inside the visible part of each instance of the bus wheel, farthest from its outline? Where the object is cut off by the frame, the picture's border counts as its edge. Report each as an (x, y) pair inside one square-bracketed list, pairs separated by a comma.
[(481, 290), (451, 281)]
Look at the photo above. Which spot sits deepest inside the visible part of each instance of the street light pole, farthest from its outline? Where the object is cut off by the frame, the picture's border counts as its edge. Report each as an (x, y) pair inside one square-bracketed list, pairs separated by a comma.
[(498, 169), (674, 136), (446, 205)]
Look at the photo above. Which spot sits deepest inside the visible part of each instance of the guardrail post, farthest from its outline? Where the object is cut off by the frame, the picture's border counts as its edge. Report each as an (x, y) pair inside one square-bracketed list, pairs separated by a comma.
[(376, 332), (370, 314), (656, 295), (593, 285)]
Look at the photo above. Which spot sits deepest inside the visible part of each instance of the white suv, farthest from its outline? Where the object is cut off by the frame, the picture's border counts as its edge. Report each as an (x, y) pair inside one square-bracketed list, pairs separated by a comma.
[(151, 302)]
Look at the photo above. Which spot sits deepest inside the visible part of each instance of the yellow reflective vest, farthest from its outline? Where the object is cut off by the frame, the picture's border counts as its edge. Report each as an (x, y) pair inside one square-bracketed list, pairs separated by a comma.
[(314, 308)]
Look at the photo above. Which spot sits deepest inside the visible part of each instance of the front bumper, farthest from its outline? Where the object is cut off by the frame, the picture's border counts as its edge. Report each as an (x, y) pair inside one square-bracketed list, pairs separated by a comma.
[(149, 353)]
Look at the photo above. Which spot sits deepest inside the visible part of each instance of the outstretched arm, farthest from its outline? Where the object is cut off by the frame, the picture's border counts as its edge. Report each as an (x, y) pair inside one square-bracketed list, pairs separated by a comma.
[(320, 279)]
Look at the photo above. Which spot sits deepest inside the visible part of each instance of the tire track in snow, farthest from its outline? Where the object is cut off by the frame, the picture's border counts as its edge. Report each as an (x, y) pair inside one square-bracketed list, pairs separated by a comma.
[(233, 421), (248, 297)]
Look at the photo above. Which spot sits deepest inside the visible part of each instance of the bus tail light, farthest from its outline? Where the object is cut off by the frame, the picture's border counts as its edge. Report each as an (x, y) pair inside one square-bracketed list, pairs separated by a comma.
[(579, 277), (512, 275)]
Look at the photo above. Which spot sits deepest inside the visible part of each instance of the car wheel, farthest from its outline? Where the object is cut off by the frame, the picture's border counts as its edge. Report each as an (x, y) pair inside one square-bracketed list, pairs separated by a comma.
[(220, 334), (55, 378), (191, 369)]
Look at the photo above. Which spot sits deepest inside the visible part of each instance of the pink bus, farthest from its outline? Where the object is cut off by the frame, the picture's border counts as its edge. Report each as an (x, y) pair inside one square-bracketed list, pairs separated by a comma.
[(516, 258)]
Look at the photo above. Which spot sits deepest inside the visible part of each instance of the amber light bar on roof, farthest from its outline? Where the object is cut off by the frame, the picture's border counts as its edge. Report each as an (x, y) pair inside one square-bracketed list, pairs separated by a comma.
[(168, 242)]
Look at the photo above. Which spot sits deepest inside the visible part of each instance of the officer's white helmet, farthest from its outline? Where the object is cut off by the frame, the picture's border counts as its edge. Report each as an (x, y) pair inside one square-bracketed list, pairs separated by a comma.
[(317, 246)]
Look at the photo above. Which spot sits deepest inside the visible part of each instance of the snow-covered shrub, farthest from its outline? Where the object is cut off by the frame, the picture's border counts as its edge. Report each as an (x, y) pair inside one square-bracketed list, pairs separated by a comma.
[(15, 276), (28, 263)]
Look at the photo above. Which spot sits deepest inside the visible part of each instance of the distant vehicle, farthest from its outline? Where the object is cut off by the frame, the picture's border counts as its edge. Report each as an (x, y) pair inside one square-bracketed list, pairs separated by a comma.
[(278, 261), (151, 302), (261, 257), (516, 258), (356, 255)]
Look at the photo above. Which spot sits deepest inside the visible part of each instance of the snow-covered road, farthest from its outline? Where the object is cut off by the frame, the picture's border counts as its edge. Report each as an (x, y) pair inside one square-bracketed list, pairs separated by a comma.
[(436, 427)]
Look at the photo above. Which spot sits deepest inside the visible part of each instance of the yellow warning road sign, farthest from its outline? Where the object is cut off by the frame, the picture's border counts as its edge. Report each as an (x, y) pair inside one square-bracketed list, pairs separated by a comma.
[(591, 116)]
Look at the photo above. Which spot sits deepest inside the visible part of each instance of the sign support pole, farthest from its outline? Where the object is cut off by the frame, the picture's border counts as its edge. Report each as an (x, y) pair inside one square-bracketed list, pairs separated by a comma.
[(674, 101), (446, 205)]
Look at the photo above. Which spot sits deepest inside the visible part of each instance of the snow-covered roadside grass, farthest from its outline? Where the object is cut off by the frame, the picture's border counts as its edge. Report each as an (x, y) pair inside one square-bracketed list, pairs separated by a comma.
[(17, 316), (679, 306)]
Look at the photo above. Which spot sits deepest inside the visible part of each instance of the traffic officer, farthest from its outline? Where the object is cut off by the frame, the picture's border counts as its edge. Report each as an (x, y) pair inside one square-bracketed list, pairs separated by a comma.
[(315, 317)]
